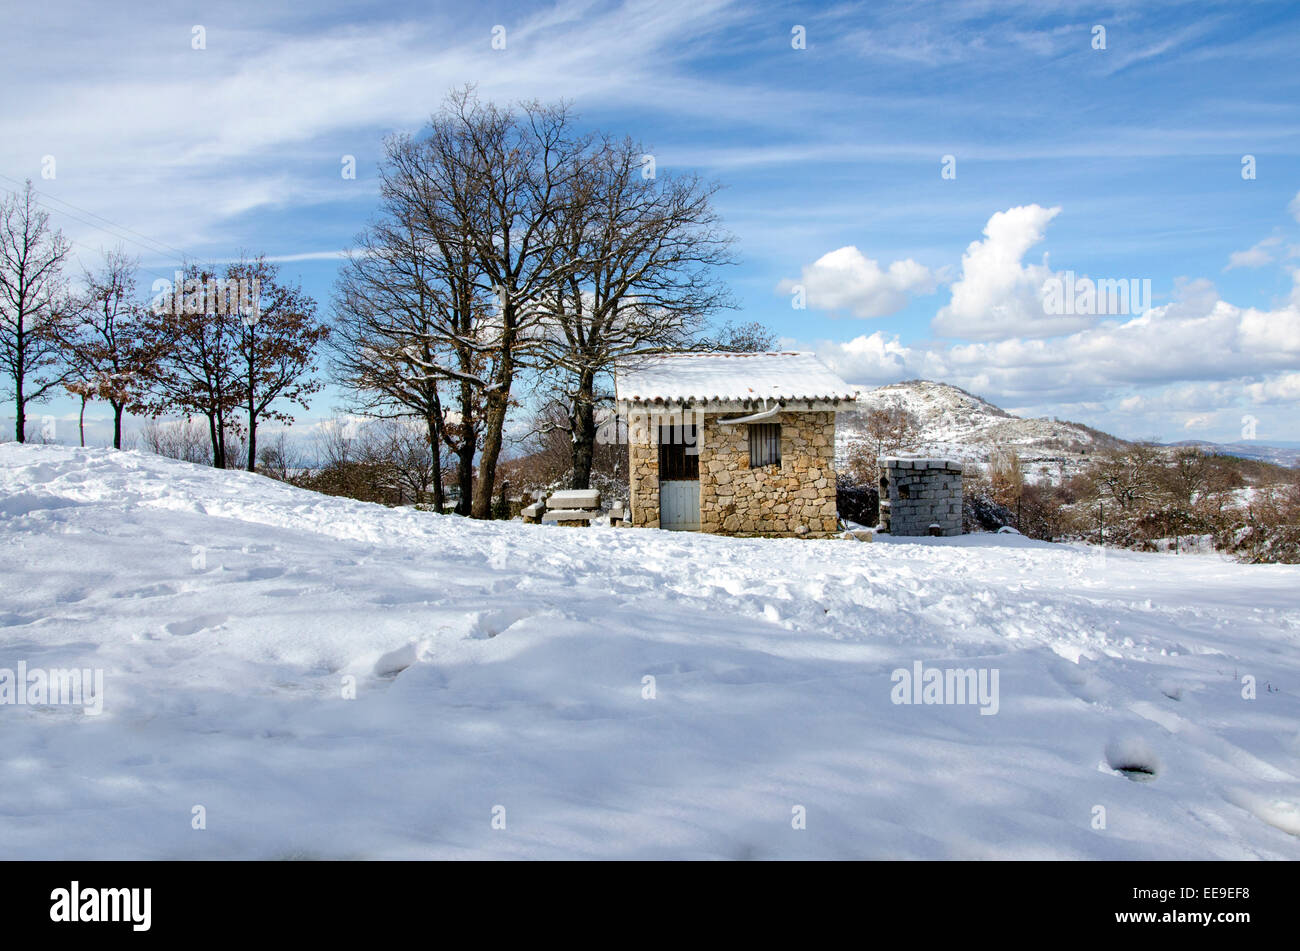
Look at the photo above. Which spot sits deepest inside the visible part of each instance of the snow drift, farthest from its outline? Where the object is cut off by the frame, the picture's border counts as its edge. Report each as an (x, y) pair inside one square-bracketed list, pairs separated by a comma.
[(289, 675)]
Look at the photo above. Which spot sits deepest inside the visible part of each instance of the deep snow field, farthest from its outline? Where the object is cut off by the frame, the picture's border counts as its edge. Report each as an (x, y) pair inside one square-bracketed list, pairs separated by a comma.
[(500, 668)]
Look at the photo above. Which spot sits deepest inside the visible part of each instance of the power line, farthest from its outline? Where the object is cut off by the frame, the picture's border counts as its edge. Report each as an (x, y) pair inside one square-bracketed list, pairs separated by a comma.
[(161, 247)]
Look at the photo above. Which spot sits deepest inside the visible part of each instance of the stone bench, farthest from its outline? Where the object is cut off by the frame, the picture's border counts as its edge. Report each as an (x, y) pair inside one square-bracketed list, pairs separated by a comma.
[(570, 516), (586, 499), (572, 507)]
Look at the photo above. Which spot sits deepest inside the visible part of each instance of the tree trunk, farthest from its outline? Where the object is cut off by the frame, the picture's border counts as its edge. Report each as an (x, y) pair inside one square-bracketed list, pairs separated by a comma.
[(465, 454), (465, 477), (117, 424), (434, 427), (218, 451), (252, 408), (81, 423), (498, 401), (583, 420), (20, 412), (252, 438)]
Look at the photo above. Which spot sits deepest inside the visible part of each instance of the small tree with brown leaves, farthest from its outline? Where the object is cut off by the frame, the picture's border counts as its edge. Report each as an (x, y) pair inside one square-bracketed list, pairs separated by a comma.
[(237, 345), (275, 348), (104, 343)]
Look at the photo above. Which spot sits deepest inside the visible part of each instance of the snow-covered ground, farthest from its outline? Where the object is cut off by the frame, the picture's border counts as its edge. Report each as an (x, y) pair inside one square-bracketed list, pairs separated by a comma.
[(501, 670)]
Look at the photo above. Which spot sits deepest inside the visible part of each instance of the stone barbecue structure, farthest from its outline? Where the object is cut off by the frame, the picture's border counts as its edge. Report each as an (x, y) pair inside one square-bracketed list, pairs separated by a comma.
[(732, 443), (916, 495)]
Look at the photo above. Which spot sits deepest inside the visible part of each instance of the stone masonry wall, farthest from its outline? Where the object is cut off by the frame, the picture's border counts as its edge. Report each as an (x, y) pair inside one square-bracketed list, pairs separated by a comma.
[(918, 493), (796, 497), (643, 479)]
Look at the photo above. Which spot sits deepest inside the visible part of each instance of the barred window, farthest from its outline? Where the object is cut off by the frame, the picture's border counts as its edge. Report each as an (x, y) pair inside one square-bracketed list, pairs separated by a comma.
[(679, 453), (764, 444)]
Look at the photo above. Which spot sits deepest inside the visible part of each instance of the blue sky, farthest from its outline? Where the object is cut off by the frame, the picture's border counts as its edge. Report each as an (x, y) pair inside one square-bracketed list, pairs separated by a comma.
[(1123, 162)]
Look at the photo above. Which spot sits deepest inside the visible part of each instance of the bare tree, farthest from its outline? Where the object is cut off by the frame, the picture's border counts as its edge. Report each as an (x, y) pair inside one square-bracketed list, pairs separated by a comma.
[(1128, 475), (749, 337), (401, 450), (278, 457), (1187, 476), (33, 313), (523, 167), (104, 343), (470, 233), (183, 439), (641, 250), (885, 430), (407, 312), (1006, 477)]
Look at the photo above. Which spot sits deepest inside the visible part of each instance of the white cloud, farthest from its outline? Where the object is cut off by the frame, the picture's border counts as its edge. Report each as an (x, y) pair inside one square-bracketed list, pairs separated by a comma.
[(1281, 389), (1294, 207), (1196, 356), (1257, 256), (1253, 257), (847, 280), (997, 296), (872, 359), (260, 118)]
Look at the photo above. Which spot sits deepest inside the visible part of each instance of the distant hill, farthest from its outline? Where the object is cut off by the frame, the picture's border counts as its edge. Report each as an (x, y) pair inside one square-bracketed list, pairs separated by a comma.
[(1279, 453), (957, 424)]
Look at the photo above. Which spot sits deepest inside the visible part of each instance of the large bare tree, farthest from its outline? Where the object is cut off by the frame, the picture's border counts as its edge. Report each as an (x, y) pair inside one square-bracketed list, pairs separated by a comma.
[(33, 311), (449, 287), (644, 250), (408, 309), (522, 168)]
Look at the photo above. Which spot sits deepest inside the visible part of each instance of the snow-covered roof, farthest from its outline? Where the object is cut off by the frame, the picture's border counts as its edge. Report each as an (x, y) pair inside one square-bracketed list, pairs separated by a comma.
[(675, 377)]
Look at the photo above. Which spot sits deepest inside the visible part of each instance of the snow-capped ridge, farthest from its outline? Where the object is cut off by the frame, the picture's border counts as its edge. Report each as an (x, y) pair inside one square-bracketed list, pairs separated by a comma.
[(957, 424)]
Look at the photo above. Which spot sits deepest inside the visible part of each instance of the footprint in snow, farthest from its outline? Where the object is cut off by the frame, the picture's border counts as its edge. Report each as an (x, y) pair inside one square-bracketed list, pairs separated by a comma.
[(487, 624), (264, 573), (1278, 806), (194, 625), (1078, 681), (150, 591), (1133, 757)]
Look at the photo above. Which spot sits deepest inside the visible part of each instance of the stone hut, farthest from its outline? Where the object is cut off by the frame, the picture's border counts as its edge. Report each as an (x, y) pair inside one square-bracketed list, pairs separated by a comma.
[(920, 497), (732, 443)]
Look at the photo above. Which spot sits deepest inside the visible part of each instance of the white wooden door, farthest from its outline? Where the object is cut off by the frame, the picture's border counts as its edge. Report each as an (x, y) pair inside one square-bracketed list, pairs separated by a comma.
[(679, 505)]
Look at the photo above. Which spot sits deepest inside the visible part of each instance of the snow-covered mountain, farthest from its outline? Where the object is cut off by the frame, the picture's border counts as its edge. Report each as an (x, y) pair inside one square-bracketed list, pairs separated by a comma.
[(957, 424), (329, 678)]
